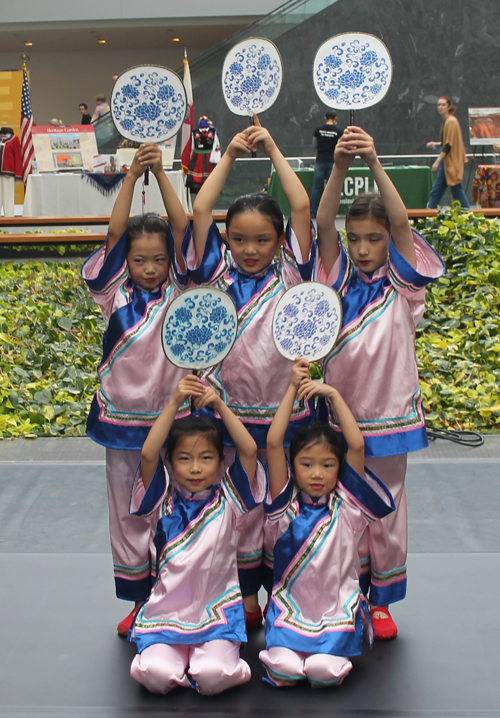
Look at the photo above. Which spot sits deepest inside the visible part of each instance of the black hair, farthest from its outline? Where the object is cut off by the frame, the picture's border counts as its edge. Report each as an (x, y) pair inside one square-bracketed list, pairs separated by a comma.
[(368, 205), (149, 223), (318, 433), (331, 115), (82, 104), (257, 202), (195, 425)]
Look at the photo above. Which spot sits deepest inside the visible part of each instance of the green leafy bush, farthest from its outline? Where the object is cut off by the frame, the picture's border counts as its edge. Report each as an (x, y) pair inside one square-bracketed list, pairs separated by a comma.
[(50, 347), (458, 341), (51, 336)]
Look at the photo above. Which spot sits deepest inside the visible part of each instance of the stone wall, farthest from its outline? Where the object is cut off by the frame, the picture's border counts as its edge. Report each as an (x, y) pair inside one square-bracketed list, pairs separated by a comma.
[(438, 47)]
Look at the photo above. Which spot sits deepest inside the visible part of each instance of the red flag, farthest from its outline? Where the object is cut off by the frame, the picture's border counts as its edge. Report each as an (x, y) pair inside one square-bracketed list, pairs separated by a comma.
[(187, 127), (27, 150)]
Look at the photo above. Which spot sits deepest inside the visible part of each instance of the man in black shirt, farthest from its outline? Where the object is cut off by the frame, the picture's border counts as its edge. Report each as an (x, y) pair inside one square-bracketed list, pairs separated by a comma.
[(86, 118), (325, 141)]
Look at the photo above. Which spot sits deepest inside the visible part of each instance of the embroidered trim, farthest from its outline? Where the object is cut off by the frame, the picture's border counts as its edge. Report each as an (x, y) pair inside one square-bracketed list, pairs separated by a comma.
[(215, 611), (250, 560), (290, 613), (387, 577), (132, 573), (414, 420)]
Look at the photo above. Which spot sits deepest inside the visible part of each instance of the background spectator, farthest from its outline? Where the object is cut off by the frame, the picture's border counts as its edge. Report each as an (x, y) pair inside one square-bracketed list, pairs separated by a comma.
[(84, 111)]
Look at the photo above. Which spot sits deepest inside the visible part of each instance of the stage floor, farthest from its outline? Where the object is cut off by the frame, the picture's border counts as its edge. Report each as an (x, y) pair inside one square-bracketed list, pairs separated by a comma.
[(61, 656)]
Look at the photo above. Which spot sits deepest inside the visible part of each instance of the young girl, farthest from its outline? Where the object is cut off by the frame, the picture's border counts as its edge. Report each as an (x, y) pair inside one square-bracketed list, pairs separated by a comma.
[(133, 277), (253, 377), (320, 506), (191, 627), (382, 285)]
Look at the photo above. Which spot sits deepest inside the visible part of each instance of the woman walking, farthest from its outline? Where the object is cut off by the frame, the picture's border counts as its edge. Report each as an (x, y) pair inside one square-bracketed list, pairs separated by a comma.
[(451, 160)]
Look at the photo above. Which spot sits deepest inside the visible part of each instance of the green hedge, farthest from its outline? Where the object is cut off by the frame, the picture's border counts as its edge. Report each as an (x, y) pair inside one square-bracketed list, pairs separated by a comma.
[(51, 332), (458, 341), (50, 347)]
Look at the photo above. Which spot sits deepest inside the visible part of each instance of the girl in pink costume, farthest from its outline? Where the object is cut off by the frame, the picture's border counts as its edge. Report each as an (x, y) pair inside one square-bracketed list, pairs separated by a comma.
[(320, 505), (190, 629), (253, 377), (133, 277), (382, 287)]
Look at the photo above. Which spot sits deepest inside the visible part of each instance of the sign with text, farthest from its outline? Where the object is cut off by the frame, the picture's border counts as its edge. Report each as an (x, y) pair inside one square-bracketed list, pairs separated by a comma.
[(484, 125), (64, 148), (354, 186)]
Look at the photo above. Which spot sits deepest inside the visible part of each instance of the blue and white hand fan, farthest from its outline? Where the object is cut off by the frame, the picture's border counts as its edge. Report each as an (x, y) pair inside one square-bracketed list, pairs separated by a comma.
[(352, 71), (251, 76)]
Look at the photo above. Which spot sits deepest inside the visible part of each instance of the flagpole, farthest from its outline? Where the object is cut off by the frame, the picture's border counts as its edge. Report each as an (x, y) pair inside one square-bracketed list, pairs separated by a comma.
[(187, 127), (27, 149)]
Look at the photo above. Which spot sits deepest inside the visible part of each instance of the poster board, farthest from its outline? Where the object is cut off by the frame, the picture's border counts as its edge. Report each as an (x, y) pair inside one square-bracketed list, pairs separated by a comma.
[(60, 149), (484, 125)]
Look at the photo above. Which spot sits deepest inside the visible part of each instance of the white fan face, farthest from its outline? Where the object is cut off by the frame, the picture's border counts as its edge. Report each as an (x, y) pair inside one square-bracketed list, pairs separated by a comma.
[(352, 71), (148, 103), (307, 321), (199, 328), (252, 76)]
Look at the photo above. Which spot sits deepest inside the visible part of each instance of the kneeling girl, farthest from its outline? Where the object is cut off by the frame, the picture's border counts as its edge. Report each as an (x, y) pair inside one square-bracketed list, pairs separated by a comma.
[(190, 629), (320, 505)]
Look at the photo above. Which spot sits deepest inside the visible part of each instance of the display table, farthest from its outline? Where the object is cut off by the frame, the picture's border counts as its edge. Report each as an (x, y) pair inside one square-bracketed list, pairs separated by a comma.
[(413, 184), (486, 186), (60, 195)]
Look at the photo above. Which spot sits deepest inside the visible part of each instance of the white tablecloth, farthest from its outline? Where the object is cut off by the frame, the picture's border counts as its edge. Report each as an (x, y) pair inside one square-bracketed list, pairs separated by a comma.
[(66, 195)]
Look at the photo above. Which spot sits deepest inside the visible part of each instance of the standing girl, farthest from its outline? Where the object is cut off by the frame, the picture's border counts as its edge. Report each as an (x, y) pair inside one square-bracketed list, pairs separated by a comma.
[(133, 277), (449, 165), (191, 627), (253, 377), (382, 287), (320, 505)]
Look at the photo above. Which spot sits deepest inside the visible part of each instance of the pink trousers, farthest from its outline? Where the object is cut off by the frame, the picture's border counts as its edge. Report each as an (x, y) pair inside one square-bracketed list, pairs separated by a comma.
[(132, 544), (383, 547), (250, 538), (285, 667), (213, 666)]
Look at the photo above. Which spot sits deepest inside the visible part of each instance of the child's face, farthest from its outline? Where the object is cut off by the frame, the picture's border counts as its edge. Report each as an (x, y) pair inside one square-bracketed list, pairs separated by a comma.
[(195, 463), (253, 241), (316, 469), (368, 242), (148, 261)]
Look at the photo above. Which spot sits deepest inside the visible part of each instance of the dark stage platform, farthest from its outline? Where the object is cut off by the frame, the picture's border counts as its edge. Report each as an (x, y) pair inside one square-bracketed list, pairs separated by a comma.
[(60, 656)]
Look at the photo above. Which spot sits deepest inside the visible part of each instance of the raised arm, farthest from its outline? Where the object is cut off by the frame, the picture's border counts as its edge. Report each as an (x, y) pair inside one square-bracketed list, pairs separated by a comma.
[(173, 207), (121, 208), (259, 138), (328, 242), (244, 443), (190, 385), (211, 189), (398, 215), (353, 436), (276, 457)]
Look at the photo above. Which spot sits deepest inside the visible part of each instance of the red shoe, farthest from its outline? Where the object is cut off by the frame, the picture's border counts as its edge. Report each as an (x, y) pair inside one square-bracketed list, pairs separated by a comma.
[(254, 618), (124, 626), (384, 627)]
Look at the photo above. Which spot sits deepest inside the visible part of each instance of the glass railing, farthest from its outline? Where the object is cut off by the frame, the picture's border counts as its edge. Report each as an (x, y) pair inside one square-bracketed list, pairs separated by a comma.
[(271, 26)]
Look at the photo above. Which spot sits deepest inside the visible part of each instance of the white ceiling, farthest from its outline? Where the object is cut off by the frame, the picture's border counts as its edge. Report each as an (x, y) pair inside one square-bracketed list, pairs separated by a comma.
[(119, 35)]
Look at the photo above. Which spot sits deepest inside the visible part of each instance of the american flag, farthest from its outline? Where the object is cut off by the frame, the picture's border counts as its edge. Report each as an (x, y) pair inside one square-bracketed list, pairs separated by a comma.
[(27, 150)]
